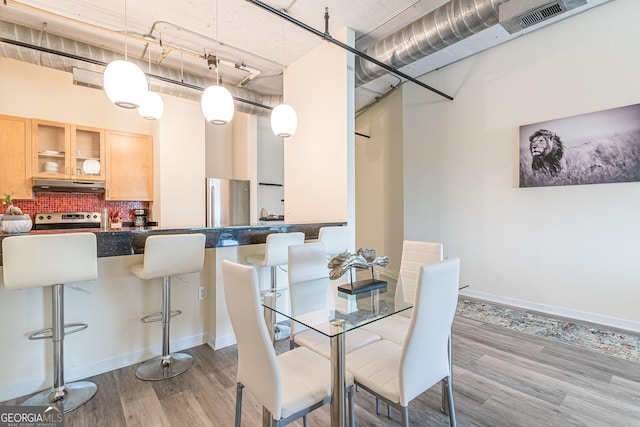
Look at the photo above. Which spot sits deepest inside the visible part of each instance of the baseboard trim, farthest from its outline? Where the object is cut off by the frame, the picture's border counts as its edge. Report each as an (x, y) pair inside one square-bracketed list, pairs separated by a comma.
[(34, 384), (217, 343), (393, 275), (613, 322)]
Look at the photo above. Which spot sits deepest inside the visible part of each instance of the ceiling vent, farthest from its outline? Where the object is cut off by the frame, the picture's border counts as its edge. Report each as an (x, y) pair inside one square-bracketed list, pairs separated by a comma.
[(516, 15)]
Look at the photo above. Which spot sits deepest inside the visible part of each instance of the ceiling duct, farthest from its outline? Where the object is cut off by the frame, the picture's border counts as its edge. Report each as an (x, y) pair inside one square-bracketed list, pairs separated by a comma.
[(442, 27), (87, 63), (517, 15)]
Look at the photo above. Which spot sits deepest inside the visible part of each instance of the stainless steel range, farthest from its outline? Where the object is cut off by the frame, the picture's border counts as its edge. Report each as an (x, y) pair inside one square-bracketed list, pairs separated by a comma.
[(66, 220)]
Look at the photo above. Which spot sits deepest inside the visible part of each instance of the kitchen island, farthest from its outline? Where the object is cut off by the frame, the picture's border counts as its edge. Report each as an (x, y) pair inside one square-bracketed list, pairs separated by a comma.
[(113, 305), (130, 241)]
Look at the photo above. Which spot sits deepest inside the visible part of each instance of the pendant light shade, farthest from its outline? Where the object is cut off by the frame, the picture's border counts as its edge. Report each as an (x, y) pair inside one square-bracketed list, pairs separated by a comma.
[(284, 120), (152, 106), (217, 105), (125, 84)]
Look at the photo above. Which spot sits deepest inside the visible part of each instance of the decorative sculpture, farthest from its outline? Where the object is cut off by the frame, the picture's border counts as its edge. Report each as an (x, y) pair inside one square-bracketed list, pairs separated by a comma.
[(363, 258)]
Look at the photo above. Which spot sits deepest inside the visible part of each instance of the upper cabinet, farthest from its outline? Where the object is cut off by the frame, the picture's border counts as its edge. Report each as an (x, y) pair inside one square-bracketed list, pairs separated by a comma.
[(88, 153), (129, 174), (67, 151), (15, 157)]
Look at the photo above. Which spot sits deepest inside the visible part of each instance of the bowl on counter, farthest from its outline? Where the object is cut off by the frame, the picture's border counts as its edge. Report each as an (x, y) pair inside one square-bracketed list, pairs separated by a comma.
[(14, 224)]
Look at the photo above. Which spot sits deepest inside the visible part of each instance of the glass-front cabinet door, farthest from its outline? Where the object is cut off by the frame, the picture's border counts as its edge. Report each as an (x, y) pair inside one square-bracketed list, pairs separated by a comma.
[(50, 149), (67, 151), (88, 153)]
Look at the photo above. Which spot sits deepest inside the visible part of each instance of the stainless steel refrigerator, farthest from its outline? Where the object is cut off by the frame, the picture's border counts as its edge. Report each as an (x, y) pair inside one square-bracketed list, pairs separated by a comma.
[(227, 202)]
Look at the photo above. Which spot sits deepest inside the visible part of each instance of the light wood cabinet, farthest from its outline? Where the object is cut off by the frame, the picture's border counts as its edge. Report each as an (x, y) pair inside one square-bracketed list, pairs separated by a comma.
[(129, 174), (88, 153), (15, 157), (65, 151)]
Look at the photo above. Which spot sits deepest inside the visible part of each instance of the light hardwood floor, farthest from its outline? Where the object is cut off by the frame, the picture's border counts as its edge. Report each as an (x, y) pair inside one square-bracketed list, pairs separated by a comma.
[(501, 378)]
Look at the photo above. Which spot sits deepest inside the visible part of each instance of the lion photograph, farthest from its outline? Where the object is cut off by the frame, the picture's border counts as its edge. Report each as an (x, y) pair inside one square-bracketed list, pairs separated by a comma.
[(593, 148)]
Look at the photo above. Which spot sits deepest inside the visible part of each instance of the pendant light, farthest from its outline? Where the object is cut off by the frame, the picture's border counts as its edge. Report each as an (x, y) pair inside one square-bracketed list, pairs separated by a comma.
[(284, 120), (152, 105), (124, 82), (217, 102)]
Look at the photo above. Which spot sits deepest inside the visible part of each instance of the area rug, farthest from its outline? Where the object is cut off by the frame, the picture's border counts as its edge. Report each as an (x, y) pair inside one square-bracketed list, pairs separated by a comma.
[(617, 344)]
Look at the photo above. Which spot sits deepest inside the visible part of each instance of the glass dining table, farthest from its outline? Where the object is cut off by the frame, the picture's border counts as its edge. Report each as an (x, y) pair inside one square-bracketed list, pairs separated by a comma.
[(340, 313)]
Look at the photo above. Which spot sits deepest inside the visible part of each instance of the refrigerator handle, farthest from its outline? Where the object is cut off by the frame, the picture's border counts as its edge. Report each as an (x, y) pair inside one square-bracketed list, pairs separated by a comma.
[(211, 216)]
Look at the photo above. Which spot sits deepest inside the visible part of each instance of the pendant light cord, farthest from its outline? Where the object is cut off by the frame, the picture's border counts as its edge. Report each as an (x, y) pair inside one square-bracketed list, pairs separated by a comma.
[(125, 30), (217, 46), (282, 62)]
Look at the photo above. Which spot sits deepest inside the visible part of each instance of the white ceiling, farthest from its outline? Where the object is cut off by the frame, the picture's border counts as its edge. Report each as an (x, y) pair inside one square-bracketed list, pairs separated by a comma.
[(248, 34)]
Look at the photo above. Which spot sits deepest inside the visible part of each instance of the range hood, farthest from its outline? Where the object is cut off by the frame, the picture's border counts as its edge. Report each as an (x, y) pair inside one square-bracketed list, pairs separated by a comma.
[(67, 186)]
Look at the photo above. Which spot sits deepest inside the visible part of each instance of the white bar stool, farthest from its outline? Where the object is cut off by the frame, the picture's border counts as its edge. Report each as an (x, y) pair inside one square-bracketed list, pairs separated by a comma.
[(53, 260), (276, 253), (335, 239), (165, 256)]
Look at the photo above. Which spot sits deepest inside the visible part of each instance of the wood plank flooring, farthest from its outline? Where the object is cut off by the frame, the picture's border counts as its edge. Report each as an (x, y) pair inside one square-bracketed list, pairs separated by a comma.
[(501, 378)]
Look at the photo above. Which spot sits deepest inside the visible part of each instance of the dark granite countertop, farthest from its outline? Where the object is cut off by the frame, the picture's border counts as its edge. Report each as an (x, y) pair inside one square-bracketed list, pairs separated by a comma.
[(129, 241)]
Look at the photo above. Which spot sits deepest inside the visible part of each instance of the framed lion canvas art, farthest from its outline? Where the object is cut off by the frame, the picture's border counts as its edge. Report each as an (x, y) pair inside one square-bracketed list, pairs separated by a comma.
[(592, 148)]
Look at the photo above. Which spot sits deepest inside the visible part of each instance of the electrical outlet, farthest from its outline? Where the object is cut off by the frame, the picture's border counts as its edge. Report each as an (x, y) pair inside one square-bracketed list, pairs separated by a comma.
[(202, 293)]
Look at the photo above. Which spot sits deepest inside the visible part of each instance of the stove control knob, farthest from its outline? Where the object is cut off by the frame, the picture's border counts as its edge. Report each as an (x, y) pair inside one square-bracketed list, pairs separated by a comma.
[(95, 216), (41, 217), (88, 216), (48, 216)]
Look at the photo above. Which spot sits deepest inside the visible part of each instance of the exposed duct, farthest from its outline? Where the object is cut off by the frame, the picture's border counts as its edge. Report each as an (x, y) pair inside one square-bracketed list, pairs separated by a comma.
[(442, 27), (452, 22), (48, 50), (517, 15)]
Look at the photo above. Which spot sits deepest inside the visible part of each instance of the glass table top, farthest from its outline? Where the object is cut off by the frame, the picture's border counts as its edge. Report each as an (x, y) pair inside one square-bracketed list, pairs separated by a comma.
[(323, 308)]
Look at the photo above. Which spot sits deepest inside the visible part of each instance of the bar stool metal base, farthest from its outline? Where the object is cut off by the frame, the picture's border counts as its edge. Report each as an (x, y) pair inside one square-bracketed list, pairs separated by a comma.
[(154, 370), (75, 394), (281, 332)]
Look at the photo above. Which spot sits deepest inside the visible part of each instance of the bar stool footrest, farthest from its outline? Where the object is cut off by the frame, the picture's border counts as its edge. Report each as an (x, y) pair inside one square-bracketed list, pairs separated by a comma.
[(77, 328), (39, 335), (157, 316)]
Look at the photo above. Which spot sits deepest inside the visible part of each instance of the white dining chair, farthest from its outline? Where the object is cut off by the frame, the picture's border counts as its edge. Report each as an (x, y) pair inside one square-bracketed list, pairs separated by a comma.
[(415, 254), (310, 292), (398, 373), (289, 385), (394, 328)]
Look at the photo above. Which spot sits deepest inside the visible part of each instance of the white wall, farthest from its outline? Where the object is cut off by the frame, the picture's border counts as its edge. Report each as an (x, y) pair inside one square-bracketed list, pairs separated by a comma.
[(570, 249), (270, 168), (28, 90), (219, 150), (320, 88), (179, 164), (378, 174)]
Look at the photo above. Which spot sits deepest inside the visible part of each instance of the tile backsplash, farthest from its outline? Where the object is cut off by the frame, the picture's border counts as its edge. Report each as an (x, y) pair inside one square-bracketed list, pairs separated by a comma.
[(52, 202)]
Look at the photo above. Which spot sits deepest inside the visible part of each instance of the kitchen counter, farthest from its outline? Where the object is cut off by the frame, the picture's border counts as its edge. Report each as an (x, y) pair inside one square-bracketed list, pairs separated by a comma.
[(130, 241), (114, 303)]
